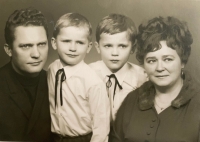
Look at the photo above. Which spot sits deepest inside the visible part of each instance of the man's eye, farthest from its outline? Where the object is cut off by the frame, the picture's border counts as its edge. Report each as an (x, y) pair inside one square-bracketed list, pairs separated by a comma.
[(25, 46), (42, 45)]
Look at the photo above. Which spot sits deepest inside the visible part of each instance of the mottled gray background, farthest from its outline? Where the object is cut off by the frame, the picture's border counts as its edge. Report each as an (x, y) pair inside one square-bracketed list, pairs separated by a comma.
[(94, 10)]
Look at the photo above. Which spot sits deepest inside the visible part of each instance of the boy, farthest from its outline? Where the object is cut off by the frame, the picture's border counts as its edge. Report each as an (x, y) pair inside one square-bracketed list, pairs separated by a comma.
[(79, 105), (115, 41)]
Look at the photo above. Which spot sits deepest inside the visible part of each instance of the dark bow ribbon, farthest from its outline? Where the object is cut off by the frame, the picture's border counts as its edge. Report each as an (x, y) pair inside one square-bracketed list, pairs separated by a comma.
[(109, 83), (63, 78)]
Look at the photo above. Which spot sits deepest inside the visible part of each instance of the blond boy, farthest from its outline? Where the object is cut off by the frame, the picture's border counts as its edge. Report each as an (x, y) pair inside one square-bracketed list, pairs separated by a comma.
[(79, 104)]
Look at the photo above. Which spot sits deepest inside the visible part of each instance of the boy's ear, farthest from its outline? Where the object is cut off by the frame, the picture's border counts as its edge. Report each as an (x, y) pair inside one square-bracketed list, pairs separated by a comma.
[(97, 47), (89, 47), (53, 43), (8, 50), (131, 52)]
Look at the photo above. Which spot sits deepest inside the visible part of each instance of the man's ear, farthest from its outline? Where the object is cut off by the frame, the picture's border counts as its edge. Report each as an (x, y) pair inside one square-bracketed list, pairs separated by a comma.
[(8, 50), (89, 47), (97, 47), (53, 43)]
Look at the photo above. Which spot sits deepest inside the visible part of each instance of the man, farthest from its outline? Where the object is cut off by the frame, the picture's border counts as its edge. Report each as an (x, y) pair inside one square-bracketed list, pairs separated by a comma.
[(24, 105)]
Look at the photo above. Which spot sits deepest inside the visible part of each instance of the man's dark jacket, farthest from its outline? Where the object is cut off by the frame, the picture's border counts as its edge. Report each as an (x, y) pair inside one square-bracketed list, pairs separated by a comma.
[(19, 121)]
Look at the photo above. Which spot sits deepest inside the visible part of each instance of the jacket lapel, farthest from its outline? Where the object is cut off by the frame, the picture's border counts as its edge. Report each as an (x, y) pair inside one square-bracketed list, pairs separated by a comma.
[(18, 94), (42, 91)]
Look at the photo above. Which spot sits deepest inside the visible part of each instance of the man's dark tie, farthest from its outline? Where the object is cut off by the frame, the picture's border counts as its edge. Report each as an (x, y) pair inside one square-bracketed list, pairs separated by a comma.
[(109, 83), (62, 78)]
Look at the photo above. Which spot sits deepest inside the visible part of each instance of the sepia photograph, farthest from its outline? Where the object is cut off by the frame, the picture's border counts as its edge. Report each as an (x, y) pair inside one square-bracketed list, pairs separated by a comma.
[(100, 70)]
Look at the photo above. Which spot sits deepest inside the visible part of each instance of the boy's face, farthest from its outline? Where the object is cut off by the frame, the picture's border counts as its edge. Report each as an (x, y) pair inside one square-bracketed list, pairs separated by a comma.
[(72, 45), (114, 49)]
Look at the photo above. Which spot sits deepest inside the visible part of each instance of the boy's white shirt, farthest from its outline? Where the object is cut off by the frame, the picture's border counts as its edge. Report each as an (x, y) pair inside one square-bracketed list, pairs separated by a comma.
[(130, 77), (85, 103)]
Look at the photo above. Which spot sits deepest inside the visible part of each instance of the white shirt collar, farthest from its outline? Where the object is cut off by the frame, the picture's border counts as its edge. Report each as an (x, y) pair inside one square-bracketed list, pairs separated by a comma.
[(71, 70), (121, 74)]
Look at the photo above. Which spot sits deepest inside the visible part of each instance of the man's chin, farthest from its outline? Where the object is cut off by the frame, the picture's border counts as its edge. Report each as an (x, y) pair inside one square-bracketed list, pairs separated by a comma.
[(31, 72)]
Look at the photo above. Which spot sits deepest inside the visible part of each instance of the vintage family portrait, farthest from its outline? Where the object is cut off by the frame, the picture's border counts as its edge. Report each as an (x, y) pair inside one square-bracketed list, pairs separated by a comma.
[(100, 70)]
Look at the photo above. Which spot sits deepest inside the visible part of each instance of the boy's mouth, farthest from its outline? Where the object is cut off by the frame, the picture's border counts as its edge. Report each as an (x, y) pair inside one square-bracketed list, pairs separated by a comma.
[(114, 61), (71, 55)]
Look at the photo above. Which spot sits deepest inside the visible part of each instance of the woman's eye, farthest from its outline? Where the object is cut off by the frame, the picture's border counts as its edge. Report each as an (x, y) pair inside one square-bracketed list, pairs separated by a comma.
[(151, 61)]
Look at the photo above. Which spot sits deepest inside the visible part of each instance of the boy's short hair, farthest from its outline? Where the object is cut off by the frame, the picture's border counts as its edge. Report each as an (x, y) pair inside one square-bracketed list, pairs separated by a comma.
[(72, 19), (23, 17), (116, 23)]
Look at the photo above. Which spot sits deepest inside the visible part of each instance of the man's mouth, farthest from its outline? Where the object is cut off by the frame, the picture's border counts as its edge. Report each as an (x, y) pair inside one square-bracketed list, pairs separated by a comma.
[(35, 63)]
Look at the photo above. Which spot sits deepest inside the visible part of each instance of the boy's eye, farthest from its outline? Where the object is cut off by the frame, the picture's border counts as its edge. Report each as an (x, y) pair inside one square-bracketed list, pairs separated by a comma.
[(67, 41), (107, 45), (168, 59), (122, 46), (80, 42)]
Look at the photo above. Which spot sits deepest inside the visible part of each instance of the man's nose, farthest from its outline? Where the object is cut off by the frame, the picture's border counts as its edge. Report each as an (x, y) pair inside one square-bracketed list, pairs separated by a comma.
[(35, 52)]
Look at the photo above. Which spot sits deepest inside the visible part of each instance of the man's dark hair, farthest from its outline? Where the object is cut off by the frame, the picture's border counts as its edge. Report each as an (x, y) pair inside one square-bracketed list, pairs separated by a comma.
[(23, 17)]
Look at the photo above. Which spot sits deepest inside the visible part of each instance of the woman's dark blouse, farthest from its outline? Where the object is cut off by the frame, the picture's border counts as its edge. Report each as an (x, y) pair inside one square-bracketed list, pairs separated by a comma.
[(138, 121)]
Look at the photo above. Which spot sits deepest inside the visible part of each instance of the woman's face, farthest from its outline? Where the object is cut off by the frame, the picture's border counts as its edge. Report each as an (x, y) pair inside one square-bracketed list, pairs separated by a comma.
[(163, 66)]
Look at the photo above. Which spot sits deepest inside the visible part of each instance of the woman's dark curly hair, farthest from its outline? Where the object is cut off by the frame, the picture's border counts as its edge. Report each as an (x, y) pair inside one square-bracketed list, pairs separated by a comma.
[(23, 17), (174, 32)]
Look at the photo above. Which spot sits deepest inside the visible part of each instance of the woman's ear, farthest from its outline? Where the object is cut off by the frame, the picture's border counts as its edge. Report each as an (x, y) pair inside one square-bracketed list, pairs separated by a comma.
[(53, 43), (97, 47), (182, 65), (89, 47), (8, 50)]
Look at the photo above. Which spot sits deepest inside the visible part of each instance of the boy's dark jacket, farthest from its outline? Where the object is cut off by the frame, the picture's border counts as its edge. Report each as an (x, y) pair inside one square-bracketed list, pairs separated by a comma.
[(19, 121)]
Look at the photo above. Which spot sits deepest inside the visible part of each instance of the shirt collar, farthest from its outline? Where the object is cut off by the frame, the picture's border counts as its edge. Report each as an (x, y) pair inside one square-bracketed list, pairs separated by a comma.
[(71, 70), (147, 91), (121, 74)]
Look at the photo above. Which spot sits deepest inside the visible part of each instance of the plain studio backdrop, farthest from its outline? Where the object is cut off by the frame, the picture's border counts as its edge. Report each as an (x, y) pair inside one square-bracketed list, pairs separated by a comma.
[(95, 10)]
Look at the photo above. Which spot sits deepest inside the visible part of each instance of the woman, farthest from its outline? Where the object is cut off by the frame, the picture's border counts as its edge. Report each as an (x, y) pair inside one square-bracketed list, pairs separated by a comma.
[(166, 108)]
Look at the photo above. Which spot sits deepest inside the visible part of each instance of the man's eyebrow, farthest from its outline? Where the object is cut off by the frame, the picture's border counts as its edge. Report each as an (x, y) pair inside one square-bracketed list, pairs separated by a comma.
[(27, 44), (43, 42)]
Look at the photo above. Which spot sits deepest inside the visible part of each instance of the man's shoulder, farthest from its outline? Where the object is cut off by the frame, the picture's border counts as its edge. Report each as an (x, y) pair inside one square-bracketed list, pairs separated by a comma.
[(4, 70)]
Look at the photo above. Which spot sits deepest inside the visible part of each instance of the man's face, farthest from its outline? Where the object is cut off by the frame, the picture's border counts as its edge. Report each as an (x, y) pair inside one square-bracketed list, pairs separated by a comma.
[(29, 50), (114, 49)]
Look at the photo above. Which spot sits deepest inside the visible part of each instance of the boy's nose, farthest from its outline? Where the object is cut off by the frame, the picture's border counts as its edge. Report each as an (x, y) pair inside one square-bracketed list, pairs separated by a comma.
[(115, 52), (72, 47)]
